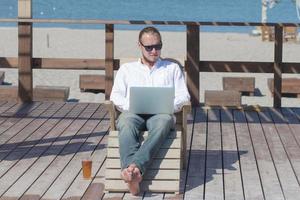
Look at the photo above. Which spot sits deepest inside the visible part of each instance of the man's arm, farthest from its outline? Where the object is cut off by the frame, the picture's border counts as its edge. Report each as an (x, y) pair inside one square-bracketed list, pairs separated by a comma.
[(119, 90), (181, 92)]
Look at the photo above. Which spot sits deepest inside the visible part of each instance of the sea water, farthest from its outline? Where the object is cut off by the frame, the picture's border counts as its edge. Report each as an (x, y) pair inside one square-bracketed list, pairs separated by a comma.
[(163, 10)]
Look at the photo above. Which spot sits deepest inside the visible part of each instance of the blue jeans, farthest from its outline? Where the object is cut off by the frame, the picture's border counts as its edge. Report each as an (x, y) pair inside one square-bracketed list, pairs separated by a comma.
[(130, 126)]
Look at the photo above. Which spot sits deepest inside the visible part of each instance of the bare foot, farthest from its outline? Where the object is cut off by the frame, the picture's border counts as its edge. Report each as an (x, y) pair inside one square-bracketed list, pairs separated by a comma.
[(127, 174), (134, 185)]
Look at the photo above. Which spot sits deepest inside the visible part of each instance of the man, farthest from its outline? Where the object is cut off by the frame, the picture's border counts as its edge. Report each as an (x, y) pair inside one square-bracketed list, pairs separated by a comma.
[(149, 70)]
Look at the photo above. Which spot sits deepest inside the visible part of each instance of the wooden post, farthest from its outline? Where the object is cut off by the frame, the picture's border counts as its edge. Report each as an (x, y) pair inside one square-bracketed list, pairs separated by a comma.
[(109, 58), (278, 66), (25, 51), (192, 67)]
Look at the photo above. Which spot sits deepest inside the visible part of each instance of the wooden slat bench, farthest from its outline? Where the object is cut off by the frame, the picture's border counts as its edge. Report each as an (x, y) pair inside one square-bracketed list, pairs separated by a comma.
[(164, 173), (91, 82), (2, 75), (8, 92), (290, 87), (245, 85), (162, 176), (222, 98), (50, 93)]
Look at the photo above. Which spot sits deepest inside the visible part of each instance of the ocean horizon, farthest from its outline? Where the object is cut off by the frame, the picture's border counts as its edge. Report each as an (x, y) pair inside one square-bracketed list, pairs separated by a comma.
[(173, 10)]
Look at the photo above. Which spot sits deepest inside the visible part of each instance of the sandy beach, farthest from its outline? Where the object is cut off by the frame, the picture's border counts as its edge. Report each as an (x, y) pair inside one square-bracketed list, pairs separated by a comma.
[(74, 43)]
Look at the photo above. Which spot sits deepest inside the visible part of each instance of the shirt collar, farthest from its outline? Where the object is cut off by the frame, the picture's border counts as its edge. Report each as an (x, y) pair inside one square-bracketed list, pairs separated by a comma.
[(156, 65)]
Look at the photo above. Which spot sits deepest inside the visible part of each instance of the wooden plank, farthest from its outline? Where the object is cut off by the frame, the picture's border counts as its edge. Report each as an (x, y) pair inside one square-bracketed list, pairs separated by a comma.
[(231, 167), (25, 61), (37, 146), (87, 144), (8, 93), (270, 183), (25, 51), (48, 165), (155, 174), (4, 107), (172, 134), (285, 152), (38, 150), (249, 171), (277, 66), (206, 66), (18, 144), (196, 170), (72, 63), (245, 85), (94, 188), (149, 22), (153, 196), (293, 122), (155, 186), (222, 98), (129, 196), (192, 65), (24, 9), (60, 63), (2, 76), (9, 62), (288, 86), (14, 125), (168, 143), (156, 164), (22, 157), (188, 141), (214, 175), (51, 93), (163, 153), (91, 82), (109, 57)]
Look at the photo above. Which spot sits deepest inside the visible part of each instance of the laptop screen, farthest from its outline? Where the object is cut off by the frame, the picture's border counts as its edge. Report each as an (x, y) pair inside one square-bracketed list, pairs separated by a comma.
[(151, 100)]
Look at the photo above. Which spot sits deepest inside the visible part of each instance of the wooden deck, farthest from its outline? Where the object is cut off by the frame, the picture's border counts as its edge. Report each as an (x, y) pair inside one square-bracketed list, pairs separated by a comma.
[(232, 154)]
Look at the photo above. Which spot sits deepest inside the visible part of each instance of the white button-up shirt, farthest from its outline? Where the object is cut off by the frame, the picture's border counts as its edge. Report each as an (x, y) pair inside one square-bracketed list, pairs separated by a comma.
[(163, 74)]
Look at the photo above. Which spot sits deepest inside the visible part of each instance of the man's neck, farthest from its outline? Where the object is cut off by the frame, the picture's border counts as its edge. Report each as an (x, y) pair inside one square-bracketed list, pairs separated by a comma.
[(149, 64)]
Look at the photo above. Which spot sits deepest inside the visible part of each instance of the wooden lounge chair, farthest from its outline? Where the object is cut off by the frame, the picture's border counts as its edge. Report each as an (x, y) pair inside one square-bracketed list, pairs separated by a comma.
[(267, 33), (290, 33), (164, 173)]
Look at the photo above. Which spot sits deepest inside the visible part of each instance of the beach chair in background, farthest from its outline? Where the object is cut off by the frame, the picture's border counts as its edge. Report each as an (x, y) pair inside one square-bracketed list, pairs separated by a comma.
[(267, 33), (92, 82), (164, 173), (290, 33), (50, 93)]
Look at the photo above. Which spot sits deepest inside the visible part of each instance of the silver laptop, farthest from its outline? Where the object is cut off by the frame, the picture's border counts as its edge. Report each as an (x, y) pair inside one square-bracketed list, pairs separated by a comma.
[(151, 100)]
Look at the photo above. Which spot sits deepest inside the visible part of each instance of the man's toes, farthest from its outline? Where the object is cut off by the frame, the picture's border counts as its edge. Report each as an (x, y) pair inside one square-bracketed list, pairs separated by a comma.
[(126, 175)]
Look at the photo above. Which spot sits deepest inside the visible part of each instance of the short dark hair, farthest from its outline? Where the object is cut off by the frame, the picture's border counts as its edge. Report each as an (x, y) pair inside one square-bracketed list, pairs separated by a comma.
[(151, 30)]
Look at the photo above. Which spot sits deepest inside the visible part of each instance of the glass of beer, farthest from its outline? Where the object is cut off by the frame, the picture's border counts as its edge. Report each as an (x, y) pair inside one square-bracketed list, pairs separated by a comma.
[(87, 168)]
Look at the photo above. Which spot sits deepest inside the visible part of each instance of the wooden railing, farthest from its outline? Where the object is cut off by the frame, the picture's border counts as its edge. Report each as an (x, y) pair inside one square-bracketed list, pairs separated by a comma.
[(193, 66)]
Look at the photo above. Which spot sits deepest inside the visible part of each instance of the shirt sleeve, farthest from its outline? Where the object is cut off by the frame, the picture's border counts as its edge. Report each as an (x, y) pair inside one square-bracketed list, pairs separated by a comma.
[(181, 92), (119, 90)]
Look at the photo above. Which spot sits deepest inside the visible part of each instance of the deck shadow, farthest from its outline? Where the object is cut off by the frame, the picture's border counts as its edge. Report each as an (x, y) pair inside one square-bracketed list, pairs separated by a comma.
[(205, 165), (46, 147)]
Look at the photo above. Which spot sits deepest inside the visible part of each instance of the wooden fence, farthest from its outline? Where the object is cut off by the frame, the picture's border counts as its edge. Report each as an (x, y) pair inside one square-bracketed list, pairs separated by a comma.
[(193, 65)]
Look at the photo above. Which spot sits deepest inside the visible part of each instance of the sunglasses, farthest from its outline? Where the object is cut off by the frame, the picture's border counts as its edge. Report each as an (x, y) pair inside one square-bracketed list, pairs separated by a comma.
[(149, 48)]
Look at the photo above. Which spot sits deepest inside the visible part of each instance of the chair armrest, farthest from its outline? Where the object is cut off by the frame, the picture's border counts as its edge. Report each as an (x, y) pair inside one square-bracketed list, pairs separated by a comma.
[(112, 113), (186, 108)]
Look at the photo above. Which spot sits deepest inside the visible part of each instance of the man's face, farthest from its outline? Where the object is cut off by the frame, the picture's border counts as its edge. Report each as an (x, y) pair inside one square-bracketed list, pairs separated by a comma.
[(150, 45)]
